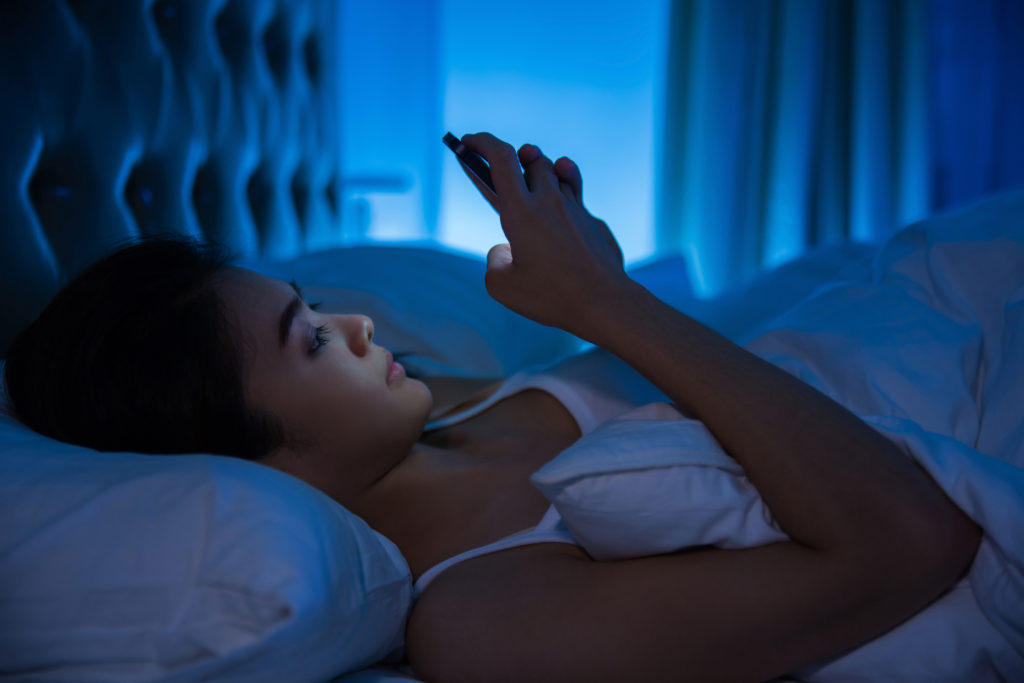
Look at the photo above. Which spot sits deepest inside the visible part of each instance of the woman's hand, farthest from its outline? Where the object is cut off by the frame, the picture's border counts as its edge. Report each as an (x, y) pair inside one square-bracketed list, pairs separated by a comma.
[(560, 260)]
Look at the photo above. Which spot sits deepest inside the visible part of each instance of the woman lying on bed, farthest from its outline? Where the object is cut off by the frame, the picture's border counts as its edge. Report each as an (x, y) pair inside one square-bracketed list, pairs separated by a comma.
[(164, 348)]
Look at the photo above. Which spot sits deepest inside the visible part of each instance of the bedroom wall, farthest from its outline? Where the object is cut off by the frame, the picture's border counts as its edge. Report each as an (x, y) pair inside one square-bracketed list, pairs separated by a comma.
[(580, 78), (741, 135)]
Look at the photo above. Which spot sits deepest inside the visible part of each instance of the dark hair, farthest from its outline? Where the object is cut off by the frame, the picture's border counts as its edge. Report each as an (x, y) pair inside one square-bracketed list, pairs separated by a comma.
[(137, 354)]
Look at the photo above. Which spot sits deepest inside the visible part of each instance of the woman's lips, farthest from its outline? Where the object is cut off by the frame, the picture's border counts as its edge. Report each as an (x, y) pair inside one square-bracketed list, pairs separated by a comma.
[(395, 370)]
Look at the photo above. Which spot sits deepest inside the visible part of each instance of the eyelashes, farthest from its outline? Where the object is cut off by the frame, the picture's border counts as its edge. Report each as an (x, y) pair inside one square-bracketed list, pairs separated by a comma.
[(321, 331), (319, 341)]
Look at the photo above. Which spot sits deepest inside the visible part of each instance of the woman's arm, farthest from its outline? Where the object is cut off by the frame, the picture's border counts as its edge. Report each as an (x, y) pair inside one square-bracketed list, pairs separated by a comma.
[(874, 540)]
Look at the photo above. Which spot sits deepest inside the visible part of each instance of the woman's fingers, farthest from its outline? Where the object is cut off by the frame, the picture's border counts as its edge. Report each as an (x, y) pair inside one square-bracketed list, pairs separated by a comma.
[(528, 154), (537, 169), (508, 180), (569, 174), (538, 172)]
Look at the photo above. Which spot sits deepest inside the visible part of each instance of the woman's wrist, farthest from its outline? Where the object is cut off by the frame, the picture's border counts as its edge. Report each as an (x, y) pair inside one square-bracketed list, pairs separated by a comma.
[(608, 316)]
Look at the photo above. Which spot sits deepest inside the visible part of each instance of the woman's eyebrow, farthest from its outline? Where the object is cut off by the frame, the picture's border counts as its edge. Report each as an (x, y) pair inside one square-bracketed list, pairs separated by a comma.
[(284, 325), (298, 290)]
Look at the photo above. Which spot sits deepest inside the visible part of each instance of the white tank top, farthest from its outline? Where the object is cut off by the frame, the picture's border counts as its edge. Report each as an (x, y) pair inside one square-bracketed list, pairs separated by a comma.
[(593, 386)]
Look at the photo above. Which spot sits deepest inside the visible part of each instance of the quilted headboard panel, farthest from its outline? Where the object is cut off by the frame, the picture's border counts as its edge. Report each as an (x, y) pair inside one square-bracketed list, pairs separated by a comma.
[(213, 118)]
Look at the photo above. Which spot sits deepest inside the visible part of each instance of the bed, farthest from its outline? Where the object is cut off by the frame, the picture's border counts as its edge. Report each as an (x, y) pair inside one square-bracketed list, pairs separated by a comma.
[(217, 119)]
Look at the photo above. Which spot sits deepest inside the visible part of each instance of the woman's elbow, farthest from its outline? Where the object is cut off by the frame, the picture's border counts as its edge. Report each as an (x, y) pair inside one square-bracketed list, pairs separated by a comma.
[(965, 538), (941, 542)]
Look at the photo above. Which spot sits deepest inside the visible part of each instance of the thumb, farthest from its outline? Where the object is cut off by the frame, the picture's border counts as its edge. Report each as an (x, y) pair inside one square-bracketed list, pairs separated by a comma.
[(499, 265), (499, 258)]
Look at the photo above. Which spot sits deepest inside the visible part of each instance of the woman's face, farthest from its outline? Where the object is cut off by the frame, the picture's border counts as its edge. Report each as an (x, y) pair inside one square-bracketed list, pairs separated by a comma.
[(349, 413)]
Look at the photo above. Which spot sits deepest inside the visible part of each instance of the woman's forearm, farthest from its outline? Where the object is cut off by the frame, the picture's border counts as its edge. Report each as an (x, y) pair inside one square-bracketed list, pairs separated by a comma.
[(831, 481)]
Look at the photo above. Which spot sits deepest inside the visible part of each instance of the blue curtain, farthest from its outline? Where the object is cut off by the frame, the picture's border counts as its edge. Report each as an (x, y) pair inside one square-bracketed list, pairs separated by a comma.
[(796, 123)]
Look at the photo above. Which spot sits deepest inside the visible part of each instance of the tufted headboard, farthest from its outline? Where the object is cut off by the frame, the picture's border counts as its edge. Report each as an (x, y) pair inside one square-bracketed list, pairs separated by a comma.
[(213, 118)]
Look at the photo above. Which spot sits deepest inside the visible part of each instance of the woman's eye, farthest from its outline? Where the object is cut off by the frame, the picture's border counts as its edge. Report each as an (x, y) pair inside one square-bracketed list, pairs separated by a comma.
[(319, 338)]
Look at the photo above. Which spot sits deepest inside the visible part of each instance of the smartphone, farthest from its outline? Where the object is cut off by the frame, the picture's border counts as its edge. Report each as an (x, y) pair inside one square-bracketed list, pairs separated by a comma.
[(473, 161)]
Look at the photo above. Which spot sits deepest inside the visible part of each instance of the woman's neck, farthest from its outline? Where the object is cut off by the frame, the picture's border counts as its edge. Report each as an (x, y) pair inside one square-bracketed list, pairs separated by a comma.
[(468, 485)]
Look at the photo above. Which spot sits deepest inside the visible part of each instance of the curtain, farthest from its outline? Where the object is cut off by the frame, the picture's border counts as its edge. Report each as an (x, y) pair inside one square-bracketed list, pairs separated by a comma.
[(796, 123)]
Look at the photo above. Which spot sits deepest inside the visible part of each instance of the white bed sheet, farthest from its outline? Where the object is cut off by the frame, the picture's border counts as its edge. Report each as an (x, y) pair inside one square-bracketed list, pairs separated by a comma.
[(959, 280)]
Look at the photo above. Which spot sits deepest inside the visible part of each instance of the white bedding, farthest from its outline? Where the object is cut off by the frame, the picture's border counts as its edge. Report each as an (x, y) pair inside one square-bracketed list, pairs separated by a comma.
[(927, 346), (924, 338)]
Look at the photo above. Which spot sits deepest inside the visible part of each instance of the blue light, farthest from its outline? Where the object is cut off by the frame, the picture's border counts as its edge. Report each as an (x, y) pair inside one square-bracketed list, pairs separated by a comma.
[(580, 79)]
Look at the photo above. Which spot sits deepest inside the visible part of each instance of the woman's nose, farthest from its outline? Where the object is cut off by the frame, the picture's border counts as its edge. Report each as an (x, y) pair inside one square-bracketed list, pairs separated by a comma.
[(357, 331)]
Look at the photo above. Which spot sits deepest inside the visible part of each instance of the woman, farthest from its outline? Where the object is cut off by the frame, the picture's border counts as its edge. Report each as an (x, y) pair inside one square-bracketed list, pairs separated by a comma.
[(253, 371)]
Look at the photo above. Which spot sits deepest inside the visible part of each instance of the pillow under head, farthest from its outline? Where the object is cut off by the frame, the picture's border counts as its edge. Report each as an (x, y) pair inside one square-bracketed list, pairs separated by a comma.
[(128, 567)]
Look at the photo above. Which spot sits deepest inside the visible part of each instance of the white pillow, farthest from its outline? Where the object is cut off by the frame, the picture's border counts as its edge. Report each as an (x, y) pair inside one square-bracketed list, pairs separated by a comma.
[(603, 486), (127, 567)]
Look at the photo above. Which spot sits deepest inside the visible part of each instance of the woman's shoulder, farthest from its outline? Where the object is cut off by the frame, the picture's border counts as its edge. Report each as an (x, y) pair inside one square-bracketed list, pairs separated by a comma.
[(494, 596)]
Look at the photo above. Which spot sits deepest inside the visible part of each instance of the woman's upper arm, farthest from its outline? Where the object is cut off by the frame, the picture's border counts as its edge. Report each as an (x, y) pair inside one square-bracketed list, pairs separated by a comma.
[(548, 612)]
